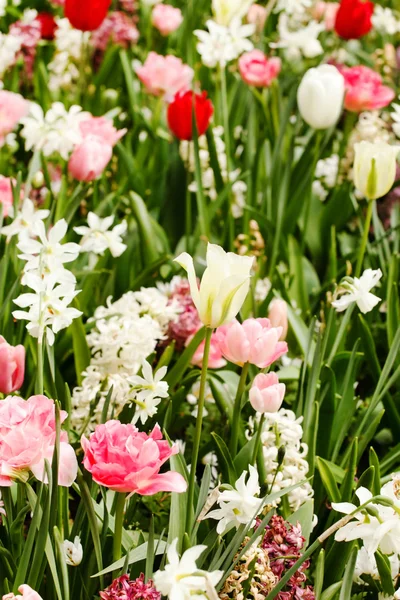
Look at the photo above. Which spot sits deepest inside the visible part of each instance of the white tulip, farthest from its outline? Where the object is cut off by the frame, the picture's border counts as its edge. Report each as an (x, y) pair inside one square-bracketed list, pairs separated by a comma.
[(225, 10), (224, 285), (320, 96), (374, 168)]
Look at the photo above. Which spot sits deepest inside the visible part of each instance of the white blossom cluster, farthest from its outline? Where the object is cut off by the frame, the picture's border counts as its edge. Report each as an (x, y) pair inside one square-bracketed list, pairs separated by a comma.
[(69, 43), (238, 188), (124, 334), (384, 21), (326, 173), (298, 39), (283, 429), (221, 44), (53, 286), (10, 45), (296, 8), (57, 131)]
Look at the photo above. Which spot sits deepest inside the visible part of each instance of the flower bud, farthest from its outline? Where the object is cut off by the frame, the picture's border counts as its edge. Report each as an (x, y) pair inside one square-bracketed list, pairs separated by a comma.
[(374, 168), (320, 96), (266, 393), (277, 314)]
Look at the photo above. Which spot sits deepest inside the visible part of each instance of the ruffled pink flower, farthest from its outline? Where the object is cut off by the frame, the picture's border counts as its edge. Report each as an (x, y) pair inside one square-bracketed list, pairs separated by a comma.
[(124, 589), (215, 358), (117, 28), (165, 75), (278, 316), (125, 459), (27, 438), (364, 89), (266, 393), (6, 195), (257, 16), (12, 367), (89, 158), (166, 18), (257, 69), (27, 593), (254, 341), (12, 108), (102, 128)]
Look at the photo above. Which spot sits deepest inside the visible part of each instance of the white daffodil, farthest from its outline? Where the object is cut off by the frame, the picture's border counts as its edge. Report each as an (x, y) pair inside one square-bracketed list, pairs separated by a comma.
[(148, 391), (357, 290), (25, 222), (224, 285), (374, 168), (239, 504), (73, 552), (182, 579), (98, 237)]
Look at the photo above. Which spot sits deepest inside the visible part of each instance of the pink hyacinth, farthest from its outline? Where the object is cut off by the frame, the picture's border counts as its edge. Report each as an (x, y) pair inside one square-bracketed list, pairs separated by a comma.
[(102, 128), (266, 393), (215, 358), (166, 18), (12, 367), (364, 89), (118, 28), (25, 593), (89, 158), (278, 315), (165, 75), (124, 589), (30, 34), (6, 195), (12, 108), (257, 69), (125, 459), (254, 341), (27, 438)]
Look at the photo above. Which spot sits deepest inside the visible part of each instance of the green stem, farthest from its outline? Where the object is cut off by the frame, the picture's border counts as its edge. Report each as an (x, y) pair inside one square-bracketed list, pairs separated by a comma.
[(307, 207), (361, 252), (119, 521), (188, 211), (227, 138), (237, 410), (197, 435), (258, 439), (39, 378)]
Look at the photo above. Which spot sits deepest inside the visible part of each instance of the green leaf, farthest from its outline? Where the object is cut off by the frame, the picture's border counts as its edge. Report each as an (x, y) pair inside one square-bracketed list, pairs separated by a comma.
[(347, 584), (385, 573), (81, 348), (374, 462), (177, 515), (346, 489), (134, 556), (175, 375), (319, 575), (328, 480), (225, 459)]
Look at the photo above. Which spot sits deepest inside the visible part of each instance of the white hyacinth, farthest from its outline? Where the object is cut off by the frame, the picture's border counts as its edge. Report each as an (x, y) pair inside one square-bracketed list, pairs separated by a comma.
[(57, 131), (384, 21), (69, 42)]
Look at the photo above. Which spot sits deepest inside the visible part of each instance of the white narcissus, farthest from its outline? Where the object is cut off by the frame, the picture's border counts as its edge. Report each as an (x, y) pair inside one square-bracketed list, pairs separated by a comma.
[(226, 10), (374, 169), (73, 552), (358, 290), (320, 96), (224, 285)]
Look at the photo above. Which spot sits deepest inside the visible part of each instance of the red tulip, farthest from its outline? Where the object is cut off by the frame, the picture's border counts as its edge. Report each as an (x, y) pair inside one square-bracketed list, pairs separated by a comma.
[(180, 113), (353, 19), (86, 15), (48, 25)]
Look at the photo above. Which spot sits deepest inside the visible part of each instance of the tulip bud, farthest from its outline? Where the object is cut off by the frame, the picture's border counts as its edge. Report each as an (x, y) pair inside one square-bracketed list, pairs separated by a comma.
[(320, 96), (89, 159), (277, 314), (12, 367), (266, 393), (374, 168)]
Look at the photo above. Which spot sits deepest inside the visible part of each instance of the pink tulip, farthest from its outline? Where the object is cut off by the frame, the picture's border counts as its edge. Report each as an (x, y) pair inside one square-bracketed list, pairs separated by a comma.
[(258, 70), (27, 438), (257, 16), (364, 89), (6, 195), (215, 358), (89, 158), (166, 18), (165, 75), (102, 128), (254, 341), (12, 108), (27, 593), (12, 367), (266, 394), (277, 314), (125, 459), (326, 12)]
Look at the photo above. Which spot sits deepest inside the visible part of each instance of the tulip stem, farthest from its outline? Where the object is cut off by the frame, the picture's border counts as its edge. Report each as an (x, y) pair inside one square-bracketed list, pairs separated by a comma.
[(258, 439), (39, 379), (197, 435), (118, 527), (237, 408), (361, 252), (227, 139)]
